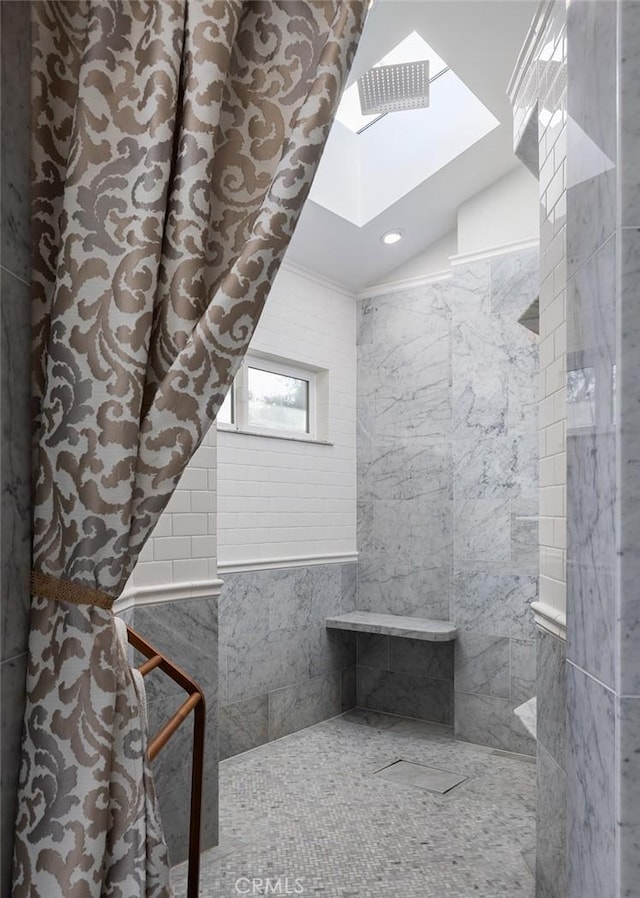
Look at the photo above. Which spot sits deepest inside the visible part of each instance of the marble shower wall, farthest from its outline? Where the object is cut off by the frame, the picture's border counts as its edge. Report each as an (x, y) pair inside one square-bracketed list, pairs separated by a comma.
[(447, 487), (187, 631), (15, 458), (495, 496), (280, 669), (603, 439)]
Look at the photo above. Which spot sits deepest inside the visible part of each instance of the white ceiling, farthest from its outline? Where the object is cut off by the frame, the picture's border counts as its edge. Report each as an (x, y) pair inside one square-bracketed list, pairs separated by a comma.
[(480, 40)]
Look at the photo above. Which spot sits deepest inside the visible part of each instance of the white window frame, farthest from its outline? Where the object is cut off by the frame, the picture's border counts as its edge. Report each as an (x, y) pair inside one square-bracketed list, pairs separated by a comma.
[(317, 412)]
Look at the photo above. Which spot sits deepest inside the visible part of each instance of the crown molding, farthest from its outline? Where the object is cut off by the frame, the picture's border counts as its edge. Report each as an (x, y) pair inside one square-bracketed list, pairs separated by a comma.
[(403, 284), (316, 278), (466, 258)]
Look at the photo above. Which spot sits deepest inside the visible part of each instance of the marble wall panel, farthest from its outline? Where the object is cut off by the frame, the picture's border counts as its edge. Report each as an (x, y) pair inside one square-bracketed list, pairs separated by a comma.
[(268, 662), (302, 704), (495, 466), (523, 669), (591, 788), (405, 694), (514, 279), (405, 468), (592, 144), (629, 112), (482, 664), (420, 658), (187, 632), (628, 799), (524, 537), (591, 469), (551, 809), (628, 373), (373, 650), (482, 530), (349, 688), (281, 669), (492, 604), (244, 725), (329, 649), (490, 721), (441, 500), (551, 690)]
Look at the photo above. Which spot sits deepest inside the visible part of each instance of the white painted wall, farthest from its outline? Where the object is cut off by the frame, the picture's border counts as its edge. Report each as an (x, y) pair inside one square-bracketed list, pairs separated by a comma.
[(503, 214), (433, 260), (286, 499), (507, 212)]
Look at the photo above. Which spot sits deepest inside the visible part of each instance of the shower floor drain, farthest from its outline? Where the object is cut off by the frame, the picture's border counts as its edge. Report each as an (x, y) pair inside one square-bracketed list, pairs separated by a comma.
[(407, 773)]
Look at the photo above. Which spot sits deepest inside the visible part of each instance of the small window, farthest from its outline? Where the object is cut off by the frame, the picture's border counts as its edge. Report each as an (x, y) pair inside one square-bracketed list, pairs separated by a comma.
[(277, 401), (275, 397), (225, 415)]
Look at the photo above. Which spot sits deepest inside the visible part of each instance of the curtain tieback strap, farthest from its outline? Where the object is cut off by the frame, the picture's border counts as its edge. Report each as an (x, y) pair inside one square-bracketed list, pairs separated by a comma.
[(65, 591)]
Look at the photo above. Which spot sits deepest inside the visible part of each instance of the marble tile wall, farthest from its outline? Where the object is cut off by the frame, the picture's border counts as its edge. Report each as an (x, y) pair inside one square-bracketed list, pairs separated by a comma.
[(447, 489), (603, 632), (409, 677), (495, 496), (280, 669), (187, 631), (15, 306)]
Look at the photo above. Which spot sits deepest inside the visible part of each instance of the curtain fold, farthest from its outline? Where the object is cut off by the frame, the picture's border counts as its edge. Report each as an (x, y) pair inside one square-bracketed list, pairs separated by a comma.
[(174, 144)]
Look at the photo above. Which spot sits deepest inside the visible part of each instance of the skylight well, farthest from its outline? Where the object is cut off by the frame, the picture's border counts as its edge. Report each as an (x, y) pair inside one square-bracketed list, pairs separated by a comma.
[(372, 161)]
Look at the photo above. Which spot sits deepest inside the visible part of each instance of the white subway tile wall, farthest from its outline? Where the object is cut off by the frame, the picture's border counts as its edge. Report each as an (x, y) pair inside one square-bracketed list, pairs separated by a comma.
[(553, 341), (282, 498), (275, 498)]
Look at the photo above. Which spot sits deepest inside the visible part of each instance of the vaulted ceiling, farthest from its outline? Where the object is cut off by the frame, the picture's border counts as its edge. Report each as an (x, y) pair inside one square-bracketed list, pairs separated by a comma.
[(412, 170)]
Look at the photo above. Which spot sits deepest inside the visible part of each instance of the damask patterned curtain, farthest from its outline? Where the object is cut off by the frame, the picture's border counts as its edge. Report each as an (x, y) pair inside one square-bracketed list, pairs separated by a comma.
[(174, 145)]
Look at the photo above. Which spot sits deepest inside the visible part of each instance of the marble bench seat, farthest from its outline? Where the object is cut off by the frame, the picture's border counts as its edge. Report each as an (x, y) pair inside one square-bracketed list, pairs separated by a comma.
[(394, 625)]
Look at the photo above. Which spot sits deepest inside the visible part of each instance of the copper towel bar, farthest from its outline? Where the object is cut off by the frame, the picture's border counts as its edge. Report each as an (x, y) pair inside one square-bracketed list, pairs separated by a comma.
[(195, 702)]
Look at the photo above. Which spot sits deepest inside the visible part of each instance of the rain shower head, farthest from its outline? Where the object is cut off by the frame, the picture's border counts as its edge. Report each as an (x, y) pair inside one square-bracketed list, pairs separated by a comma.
[(393, 88)]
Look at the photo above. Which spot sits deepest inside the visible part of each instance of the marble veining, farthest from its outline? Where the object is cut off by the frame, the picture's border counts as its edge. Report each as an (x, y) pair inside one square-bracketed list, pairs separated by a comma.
[(591, 788), (491, 721), (628, 726), (591, 471), (280, 668), (591, 91), (447, 472), (551, 793), (629, 461)]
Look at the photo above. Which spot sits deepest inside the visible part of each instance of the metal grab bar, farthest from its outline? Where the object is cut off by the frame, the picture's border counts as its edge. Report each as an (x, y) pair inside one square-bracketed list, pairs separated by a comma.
[(196, 703)]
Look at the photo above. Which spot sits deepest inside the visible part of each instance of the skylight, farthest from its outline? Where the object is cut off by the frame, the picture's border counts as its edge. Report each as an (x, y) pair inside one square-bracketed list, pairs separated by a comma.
[(366, 169), (412, 49)]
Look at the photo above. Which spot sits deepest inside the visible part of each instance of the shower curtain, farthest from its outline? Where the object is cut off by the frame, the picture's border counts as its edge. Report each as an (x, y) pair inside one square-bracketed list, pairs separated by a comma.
[(174, 144)]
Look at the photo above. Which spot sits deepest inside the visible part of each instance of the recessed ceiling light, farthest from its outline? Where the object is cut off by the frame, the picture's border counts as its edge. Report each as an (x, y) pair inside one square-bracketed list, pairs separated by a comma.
[(391, 237)]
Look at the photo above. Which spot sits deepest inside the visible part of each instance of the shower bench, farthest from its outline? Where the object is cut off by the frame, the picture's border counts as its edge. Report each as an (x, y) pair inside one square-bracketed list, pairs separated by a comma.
[(394, 625)]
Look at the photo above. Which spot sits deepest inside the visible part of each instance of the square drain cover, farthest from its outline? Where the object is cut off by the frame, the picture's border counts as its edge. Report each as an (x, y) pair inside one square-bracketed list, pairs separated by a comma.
[(407, 773)]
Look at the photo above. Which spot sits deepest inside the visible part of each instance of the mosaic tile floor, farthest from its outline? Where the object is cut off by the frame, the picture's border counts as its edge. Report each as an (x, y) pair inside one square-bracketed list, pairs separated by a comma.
[(306, 815)]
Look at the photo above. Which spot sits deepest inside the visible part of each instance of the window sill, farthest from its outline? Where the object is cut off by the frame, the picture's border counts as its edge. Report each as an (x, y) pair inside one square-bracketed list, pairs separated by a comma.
[(271, 435)]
